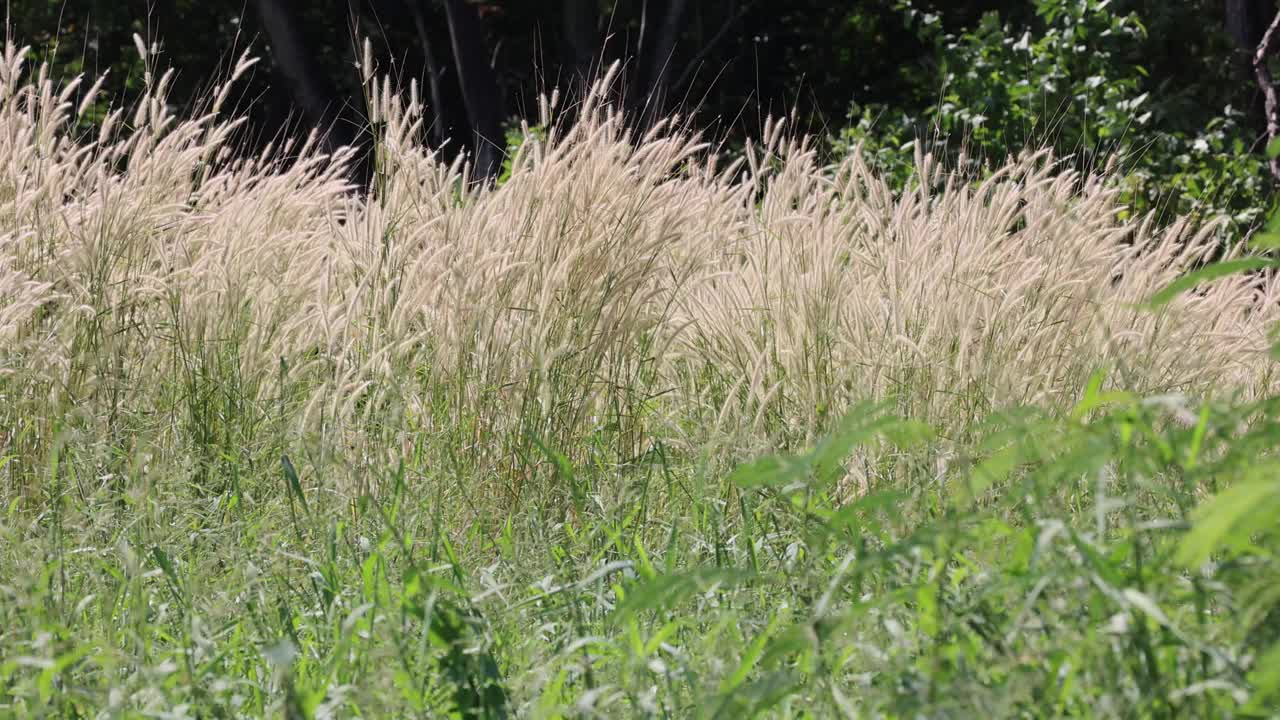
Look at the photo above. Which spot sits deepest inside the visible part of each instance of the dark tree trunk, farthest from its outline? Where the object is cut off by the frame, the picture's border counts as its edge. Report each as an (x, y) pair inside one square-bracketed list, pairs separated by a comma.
[(734, 17), (1266, 49), (1245, 22), (661, 56), (438, 126), (480, 93), (315, 95), (581, 20)]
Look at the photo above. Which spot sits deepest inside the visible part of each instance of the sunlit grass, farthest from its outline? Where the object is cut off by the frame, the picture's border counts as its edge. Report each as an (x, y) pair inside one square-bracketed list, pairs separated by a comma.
[(273, 444)]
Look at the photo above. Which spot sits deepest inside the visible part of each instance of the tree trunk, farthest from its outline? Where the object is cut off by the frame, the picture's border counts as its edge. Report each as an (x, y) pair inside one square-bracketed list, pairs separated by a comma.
[(1245, 21), (433, 74), (311, 89), (735, 14), (1270, 43), (480, 93), (581, 19), (661, 54)]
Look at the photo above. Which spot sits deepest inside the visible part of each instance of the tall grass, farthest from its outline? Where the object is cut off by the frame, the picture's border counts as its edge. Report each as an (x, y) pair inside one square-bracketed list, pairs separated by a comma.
[(613, 280), (275, 442)]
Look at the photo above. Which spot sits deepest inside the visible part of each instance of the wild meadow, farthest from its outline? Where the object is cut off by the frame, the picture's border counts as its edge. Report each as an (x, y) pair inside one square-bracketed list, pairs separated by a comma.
[(645, 429)]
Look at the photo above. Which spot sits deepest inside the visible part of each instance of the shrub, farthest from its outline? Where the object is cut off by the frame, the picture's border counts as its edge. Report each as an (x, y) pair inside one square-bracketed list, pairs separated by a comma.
[(1074, 79)]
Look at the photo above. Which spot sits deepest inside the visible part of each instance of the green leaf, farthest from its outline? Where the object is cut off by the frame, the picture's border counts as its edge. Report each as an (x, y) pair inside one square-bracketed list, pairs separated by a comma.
[(1105, 570), (479, 690), (754, 698), (908, 433), (927, 601), (858, 427), (1265, 239), (750, 658), (295, 485), (798, 640), (667, 591), (1266, 678), (769, 471), (1273, 148), (166, 566), (302, 699), (564, 469), (45, 683), (1143, 602), (1095, 398), (861, 426), (1197, 438), (1207, 273), (853, 515), (1268, 238), (995, 468), (1218, 518)]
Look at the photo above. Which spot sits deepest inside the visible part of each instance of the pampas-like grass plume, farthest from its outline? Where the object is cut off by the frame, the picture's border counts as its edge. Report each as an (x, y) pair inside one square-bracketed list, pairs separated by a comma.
[(157, 287)]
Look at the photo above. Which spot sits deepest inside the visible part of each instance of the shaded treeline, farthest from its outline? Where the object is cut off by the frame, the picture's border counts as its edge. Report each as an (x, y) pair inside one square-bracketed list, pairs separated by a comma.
[(481, 65)]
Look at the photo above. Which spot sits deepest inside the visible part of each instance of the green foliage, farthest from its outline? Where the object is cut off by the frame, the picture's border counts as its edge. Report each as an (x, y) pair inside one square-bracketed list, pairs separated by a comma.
[(1047, 578), (1236, 533), (1060, 565), (1077, 78), (1115, 560), (516, 137)]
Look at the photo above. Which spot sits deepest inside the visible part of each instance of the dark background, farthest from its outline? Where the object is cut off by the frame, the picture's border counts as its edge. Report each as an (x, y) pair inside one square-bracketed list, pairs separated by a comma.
[(728, 63)]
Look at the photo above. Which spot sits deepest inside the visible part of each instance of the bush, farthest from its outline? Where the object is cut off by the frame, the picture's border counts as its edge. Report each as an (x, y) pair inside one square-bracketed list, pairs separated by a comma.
[(1074, 79)]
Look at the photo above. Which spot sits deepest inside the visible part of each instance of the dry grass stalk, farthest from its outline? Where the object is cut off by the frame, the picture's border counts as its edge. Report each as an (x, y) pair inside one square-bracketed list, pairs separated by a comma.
[(629, 279)]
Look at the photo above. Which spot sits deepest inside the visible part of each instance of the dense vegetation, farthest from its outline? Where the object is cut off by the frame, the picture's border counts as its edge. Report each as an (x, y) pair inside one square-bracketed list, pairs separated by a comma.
[(1164, 90), (802, 426)]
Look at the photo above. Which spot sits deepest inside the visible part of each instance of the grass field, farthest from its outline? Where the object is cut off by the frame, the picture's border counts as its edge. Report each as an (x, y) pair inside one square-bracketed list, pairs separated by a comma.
[(640, 432)]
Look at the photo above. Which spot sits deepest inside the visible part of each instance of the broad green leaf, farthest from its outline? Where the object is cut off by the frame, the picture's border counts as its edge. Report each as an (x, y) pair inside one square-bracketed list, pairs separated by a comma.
[(995, 468), (1268, 237), (1207, 273), (858, 427), (754, 698), (295, 485), (666, 591), (856, 512), (1266, 679), (770, 471), (751, 657), (1094, 397), (1217, 518)]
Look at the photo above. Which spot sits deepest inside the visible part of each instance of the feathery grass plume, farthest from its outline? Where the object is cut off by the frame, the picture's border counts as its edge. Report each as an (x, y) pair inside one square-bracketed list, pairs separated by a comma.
[(956, 297), (262, 432), (158, 282)]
